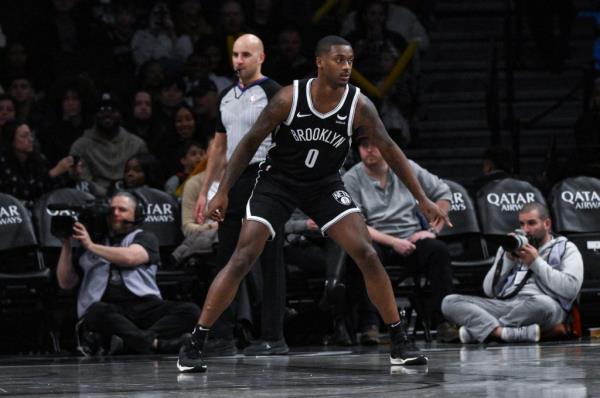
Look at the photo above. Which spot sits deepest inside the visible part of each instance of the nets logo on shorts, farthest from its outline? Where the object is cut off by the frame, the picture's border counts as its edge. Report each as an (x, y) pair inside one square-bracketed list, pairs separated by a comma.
[(342, 198)]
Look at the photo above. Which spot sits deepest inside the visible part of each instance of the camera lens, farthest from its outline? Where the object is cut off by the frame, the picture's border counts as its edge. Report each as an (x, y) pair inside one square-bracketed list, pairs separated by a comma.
[(512, 243)]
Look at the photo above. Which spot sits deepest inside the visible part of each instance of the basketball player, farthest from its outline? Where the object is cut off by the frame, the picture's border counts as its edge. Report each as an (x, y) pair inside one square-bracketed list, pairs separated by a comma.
[(314, 121)]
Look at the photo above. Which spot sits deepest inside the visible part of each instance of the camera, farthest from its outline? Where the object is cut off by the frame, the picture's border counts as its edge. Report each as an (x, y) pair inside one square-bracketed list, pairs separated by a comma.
[(91, 214), (512, 243)]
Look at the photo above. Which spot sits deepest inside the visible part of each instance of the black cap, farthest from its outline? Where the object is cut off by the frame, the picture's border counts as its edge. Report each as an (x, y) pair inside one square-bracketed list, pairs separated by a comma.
[(358, 137), (202, 86), (107, 101)]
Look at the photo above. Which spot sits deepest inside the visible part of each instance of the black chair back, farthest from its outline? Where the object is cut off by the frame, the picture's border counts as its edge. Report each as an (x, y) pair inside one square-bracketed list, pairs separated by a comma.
[(499, 202)]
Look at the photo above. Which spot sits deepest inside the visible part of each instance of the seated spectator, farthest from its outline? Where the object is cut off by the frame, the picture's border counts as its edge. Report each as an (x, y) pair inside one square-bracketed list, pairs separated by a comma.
[(190, 154), (160, 40), (205, 100), (140, 120), (140, 170), (529, 289), (307, 249), (118, 295), (8, 111), (200, 239), (398, 236), (183, 130), (69, 117), (25, 174), (21, 88), (106, 146), (150, 78), (170, 99)]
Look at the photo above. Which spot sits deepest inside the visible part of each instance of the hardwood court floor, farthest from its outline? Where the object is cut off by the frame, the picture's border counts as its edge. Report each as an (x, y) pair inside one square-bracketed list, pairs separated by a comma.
[(528, 370)]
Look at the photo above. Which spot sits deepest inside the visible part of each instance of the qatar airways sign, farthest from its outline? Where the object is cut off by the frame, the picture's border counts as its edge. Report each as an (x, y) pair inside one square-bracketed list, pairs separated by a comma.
[(510, 201), (458, 202), (581, 200), (10, 215)]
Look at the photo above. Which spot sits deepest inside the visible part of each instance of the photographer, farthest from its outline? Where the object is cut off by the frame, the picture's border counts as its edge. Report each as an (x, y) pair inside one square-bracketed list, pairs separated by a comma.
[(532, 285), (118, 295)]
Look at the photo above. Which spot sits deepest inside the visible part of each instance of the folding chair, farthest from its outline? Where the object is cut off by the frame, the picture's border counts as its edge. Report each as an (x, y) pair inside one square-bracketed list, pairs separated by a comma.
[(498, 206), (575, 207), (468, 248), (64, 302), (163, 218), (25, 281)]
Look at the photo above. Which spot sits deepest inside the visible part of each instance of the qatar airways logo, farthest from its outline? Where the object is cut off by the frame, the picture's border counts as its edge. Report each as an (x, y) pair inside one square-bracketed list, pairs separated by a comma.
[(159, 213), (457, 202), (582, 200), (10, 215), (510, 201)]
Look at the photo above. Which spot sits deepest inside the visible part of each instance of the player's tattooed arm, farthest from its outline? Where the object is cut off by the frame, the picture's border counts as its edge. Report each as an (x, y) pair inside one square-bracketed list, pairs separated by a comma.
[(367, 121), (275, 112)]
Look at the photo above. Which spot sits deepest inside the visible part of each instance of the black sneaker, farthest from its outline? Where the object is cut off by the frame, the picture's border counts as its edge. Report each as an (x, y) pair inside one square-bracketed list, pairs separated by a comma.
[(404, 351), (190, 358)]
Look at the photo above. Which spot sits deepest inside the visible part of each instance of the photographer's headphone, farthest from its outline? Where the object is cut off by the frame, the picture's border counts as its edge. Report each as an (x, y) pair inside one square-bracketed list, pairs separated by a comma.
[(140, 205)]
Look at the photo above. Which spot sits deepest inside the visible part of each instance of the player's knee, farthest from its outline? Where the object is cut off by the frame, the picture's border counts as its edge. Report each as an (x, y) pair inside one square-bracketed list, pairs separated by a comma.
[(242, 261), (365, 257)]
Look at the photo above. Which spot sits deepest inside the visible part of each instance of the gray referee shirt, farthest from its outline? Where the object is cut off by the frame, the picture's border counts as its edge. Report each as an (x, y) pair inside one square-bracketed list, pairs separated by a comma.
[(392, 210), (238, 111)]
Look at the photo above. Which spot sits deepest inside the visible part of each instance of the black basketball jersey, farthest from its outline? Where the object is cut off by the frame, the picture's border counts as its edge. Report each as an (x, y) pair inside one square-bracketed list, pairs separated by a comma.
[(310, 145)]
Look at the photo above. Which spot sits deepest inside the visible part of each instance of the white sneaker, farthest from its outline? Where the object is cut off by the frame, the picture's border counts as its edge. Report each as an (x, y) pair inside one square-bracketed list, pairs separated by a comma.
[(529, 333), (465, 336)]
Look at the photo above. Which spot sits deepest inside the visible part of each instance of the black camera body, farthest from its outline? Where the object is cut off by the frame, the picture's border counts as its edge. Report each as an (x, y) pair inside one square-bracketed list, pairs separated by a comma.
[(91, 214), (513, 243)]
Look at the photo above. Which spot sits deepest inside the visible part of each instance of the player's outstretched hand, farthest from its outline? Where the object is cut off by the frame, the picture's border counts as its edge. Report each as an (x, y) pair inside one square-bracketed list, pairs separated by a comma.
[(434, 214), (217, 207)]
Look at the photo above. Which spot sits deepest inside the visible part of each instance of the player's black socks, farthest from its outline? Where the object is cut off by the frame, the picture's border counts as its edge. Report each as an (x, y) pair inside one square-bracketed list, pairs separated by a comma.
[(199, 336)]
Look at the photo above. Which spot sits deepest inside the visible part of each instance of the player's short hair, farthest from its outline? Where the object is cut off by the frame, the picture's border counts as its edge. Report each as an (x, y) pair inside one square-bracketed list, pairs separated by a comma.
[(324, 45)]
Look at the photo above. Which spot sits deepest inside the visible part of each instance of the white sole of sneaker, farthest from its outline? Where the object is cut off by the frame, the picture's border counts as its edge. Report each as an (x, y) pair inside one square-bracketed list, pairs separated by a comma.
[(191, 369), (420, 360)]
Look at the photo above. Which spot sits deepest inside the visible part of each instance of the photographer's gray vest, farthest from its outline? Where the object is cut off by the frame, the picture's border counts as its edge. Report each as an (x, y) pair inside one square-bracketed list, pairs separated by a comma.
[(140, 280), (557, 251)]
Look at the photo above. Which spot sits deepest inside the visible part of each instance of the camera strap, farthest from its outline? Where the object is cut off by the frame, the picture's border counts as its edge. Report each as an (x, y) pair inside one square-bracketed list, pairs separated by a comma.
[(556, 252), (517, 289)]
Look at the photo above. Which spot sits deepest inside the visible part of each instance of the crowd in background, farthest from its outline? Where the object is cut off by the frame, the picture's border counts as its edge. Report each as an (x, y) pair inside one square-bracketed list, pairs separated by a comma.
[(108, 95)]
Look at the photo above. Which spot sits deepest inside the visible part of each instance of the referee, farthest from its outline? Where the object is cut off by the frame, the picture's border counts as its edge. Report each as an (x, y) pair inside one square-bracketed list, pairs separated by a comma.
[(239, 107)]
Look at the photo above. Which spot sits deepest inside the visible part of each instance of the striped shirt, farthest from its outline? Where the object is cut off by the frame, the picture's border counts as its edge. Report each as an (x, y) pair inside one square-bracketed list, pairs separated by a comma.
[(238, 111)]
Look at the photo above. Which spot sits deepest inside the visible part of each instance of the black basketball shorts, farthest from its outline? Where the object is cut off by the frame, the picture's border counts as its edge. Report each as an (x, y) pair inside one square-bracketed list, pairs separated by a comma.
[(273, 200)]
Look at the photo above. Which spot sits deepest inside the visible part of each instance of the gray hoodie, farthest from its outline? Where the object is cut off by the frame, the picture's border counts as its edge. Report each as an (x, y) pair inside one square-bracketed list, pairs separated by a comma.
[(562, 282)]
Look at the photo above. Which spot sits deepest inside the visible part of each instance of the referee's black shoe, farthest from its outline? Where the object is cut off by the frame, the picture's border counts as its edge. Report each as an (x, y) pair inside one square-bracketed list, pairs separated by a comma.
[(403, 350)]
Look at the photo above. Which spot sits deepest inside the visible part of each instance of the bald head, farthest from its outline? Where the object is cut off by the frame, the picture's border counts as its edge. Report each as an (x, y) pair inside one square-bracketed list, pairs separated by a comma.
[(251, 41), (247, 57)]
